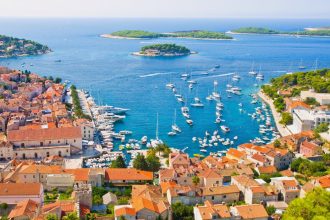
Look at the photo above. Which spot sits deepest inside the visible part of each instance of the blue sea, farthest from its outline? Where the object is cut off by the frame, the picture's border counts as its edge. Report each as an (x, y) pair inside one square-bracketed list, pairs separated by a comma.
[(115, 77)]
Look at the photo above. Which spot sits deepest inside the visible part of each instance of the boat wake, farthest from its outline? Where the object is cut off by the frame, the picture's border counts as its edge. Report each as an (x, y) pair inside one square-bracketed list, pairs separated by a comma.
[(155, 74), (215, 76)]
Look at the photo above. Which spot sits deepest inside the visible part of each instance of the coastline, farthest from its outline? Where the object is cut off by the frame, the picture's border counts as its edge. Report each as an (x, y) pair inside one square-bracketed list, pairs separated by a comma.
[(277, 116)]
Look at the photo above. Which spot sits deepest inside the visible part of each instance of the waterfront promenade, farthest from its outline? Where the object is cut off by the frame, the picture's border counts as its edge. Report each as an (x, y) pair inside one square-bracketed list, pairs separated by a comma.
[(277, 116)]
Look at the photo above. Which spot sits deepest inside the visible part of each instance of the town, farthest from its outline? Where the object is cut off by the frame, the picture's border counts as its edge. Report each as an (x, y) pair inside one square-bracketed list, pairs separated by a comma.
[(44, 131)]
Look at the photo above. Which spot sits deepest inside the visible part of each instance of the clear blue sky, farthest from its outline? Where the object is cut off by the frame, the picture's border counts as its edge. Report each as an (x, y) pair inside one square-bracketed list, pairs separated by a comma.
[(167, 8)]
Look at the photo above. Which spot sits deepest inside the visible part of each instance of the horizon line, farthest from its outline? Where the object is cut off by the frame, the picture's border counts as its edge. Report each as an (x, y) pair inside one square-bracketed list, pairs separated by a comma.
[(106, 17)]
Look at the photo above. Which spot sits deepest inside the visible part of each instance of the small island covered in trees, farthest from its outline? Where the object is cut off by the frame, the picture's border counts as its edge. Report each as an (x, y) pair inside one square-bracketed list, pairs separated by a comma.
[(195, 34), (169, 50), (305, 32), (13, 47)]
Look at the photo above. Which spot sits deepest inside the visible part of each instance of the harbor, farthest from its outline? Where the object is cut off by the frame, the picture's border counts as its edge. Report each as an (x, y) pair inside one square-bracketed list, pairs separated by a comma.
[(112, 141)]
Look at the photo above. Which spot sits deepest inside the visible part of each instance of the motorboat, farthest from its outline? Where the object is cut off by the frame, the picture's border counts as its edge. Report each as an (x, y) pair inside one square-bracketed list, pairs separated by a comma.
[(190, 122), (170, 85), (171, 133), (224, 128)]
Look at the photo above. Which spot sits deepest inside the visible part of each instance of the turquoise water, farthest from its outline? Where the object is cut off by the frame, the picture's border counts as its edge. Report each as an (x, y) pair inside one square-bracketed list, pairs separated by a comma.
[(117, 78)]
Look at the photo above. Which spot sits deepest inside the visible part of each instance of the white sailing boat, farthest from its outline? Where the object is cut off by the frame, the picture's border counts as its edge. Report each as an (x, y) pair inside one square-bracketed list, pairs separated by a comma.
[(215, 94), (197, 102), (252, 72), (155, 142), (175, 127)]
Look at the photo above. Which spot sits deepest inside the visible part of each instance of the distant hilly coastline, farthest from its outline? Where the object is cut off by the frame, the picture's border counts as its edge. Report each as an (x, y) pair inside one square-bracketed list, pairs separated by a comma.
[(322, 31), (194, 34)]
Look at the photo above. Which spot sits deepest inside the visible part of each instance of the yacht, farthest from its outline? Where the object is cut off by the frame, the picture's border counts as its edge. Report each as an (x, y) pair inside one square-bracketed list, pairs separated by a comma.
[(197, 103), (260, 76), (155, 142), (190, 122), (224, 128), (236, 77), (185, 111), (180, 99), (252, 72), (171, 133), (190, 86), (217, 120), (217, 66), (170, 85), (174, 125)]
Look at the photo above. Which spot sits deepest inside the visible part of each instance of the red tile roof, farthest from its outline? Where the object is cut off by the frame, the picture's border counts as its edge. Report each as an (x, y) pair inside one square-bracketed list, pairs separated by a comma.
[(127, 174), (44, 134), (18, 189)]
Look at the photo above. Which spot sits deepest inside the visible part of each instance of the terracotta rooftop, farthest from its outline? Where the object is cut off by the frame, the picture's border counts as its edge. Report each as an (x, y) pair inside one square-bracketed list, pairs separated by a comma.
[(44, 134), (27, 208), (251, 211), (15, 189), (220, 190), (235, 153), (267, 170), (209, 210), (125, 211), (127, 174)]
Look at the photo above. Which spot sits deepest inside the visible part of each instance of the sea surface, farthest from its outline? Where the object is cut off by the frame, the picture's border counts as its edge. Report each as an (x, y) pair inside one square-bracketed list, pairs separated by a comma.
[(115, 77)]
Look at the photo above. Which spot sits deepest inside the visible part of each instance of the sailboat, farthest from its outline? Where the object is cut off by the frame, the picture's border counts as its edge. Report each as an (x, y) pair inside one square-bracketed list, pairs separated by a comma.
[(191, 81), (252, 72), (301, 66), (175, 127), (215, 94), (197, 102), (260, 76), (155, 142), (209, 97)]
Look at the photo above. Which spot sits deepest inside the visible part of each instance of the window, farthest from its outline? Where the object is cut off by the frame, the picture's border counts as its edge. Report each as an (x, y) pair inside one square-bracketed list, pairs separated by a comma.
[(212, 197), (50, 142), (41, 143), (58, 141), (74, 140), (22, 144), (224, 196)]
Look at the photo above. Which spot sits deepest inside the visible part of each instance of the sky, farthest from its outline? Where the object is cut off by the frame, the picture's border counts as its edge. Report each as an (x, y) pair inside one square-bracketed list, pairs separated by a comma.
[(167, 8)]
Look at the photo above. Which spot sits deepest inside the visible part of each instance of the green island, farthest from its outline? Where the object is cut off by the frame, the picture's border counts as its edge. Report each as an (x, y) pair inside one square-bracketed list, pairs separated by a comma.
[(306, 32), (168, 50), (255, 30), (195, 34), (135, 34), (14, 47), (199, 34)]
